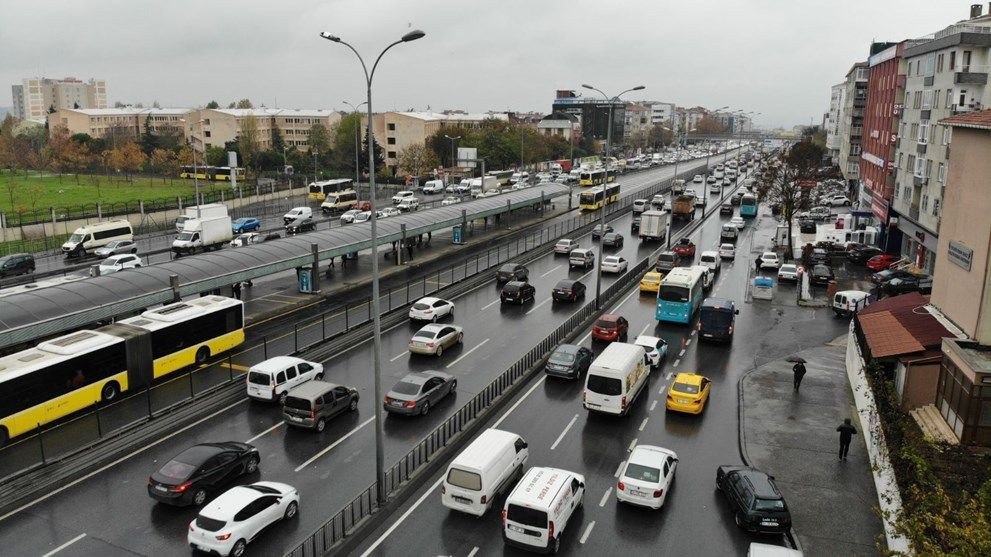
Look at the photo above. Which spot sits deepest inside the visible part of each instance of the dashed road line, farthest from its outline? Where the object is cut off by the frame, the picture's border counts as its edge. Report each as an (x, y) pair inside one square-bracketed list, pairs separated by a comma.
[(465, 355), (335, 443), (534, 308), (670, 375), (653, 405), (273, 428), (643, 424), (689, 341), (676, 362), (490, 304), (623, 301), (400, 355), (632, 445), (605, 497), (473, 551), (551, 271), (588, 531), (76, 539), (563, 433), (645, 327), (682, 353), (619, 469)]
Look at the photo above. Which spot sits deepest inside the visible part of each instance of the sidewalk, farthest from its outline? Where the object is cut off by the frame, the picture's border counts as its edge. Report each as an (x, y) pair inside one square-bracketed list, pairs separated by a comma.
[(793, 437)]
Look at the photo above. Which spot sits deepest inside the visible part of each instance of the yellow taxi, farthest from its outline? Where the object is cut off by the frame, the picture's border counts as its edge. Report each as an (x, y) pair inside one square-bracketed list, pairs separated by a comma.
[(688, 393), (651, 281)]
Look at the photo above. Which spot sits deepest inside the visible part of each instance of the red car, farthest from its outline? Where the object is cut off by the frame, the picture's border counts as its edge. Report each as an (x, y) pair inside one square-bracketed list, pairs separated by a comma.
[(363, 205), (685, 248), (881, 262), (610, 327)]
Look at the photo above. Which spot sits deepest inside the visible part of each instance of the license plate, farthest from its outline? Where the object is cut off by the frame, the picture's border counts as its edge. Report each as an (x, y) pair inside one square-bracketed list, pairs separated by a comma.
[(769, 522), (161, 488), (463, 500), (295, 418), (683, 400), (515, 528), (638, 493), (397, 403), (707, 334)]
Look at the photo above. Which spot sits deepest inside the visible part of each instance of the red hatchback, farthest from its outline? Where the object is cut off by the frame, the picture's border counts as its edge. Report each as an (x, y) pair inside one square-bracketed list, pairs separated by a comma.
[(881, 262), (610, 327), (685, 247)]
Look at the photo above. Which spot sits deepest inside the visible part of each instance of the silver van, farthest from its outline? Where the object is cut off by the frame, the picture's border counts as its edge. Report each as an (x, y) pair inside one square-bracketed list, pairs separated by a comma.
[(311, 404), (581, 257)]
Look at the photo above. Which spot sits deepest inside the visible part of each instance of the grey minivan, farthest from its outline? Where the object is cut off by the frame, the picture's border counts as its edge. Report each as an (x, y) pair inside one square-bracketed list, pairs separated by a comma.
[(311, 404)]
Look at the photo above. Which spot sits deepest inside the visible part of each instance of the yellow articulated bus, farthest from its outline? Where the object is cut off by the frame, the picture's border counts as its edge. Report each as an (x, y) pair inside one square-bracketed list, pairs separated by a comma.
[(320, 190), (73, 372), (598, 197), (216, 173), (595, 177)]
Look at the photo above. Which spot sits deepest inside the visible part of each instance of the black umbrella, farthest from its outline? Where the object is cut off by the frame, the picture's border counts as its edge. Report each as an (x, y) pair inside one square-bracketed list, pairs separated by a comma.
[(795, 359)]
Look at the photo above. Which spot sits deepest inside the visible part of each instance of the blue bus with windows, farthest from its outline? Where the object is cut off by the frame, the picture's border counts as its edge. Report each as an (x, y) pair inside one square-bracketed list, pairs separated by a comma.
[(748, 206), (679, 295)]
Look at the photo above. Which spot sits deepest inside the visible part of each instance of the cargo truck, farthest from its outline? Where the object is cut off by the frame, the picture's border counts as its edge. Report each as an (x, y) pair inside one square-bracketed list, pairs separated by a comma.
[(683, 207), (483, 185), (653, 226), (203, 234)]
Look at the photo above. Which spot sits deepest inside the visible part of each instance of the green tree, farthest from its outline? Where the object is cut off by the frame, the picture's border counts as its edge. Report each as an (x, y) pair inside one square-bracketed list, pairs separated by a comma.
[(278, 143), (319, 139), (216, 156), (378, 154), (416, 159), (248, 141), (244, 103), (341, 155), (212, 104), (149, 141)]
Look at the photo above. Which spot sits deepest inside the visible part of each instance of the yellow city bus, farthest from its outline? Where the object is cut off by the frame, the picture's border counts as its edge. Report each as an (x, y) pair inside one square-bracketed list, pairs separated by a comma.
[(319, 190), (216, 173), (73, 372), (598, 197), (595, 177)]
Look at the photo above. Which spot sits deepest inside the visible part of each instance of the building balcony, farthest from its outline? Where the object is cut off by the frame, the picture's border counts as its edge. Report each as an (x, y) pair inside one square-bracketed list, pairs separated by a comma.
[(920, 148), (972, 75), (919, 180), (900, 81)]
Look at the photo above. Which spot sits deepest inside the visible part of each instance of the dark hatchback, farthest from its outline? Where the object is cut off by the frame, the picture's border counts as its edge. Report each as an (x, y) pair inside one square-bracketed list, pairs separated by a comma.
[(861, 255), (884, 276), (512, 271), (726, 209), (305, 224), (568, 290), (16, 264), (821, 275), (517, 292), (757, 504), (191, 475), (613, 239), (569, 361), (922, 285)]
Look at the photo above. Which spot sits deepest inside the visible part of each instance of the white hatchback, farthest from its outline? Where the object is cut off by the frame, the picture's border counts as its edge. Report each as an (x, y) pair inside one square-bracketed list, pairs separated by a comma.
[(614, 264), (116, 263), (647, 476), (788, 271), (349, 215), (738, 222), (727, 251), (769, 260), (226, 524), (431, 309)]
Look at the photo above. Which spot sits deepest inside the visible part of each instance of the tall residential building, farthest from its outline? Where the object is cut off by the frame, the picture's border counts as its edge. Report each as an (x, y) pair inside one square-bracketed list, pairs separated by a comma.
[(214, 127), (592, 114), (852, 125), (97, 122), (688, 118), (946, 74), (395, 131), (833, 119), (662, 113), (35, 97), (638, 120)]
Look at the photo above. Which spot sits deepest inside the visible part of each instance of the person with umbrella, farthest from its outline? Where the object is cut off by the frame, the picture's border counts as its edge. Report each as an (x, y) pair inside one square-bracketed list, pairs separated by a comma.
[(798, 370)]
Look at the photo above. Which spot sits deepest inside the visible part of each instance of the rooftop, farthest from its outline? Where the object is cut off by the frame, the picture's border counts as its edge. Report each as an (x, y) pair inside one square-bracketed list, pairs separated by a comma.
[(901, 325), (130, 111), (269, 112), (980, 120), (457, 117)]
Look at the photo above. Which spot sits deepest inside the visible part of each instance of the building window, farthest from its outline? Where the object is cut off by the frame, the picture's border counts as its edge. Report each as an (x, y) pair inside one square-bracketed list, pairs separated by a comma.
[(925, 202), (391, 127), (929, 168), (947, 134), (939, 62), (941, 173), (899, 163), (920, 167), (391, 141), (935, 103), (924, 132), (927, 99), (949, 98), (963, 97), (965, 61), (391, 154), (935, 207), (953, 59), (207, 133)]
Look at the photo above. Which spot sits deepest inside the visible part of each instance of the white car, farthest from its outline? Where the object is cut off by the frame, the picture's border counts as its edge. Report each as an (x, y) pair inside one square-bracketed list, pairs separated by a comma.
[(614, 264), (657, 202), (390, 212), (656, 348), (402, 196), (450, 201), (226, 524), (246, 239), (727, 251), (647, 476), (698, 179), (347, 217), (711, 260), (431, 309), (788, 271), (409, 204), (271, 379), (565, 246), (433, 339), (769, 260), (362, 216), (738, 222), (839, 200), (452, 188), (640, 205), (116, 263)]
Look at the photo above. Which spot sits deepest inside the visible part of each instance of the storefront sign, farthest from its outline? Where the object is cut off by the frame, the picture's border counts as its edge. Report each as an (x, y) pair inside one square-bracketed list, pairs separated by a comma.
[(960, 255)]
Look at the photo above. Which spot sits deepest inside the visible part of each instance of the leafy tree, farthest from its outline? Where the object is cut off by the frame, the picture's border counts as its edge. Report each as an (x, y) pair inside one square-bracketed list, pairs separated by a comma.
[(149, 141), (319, 141), (213, 104), (232, 105), (416, 159), (805, 157), (164, 162), (710, 125), (216, 156), (780, 186), (117, 135), (378, 154), (248, 141), (341, 152), (244, 103), (128, 157), (83, 138), (278, 143)]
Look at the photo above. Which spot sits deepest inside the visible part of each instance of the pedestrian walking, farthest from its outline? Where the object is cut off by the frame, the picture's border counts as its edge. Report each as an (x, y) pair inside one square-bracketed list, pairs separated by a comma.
[(409, 249), (236, 289), (757, 265), (847, 431), (799, 372)]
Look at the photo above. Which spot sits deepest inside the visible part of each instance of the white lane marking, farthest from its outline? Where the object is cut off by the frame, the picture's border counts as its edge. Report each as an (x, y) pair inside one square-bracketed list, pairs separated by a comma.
[(440, 480), (676, 362), (584, 338), (473, 551), (694, 331), (605, 497), (689, 341), (335, 443), (119, 460), (588, 531), (563, 433), (619, 469), (534, 308), (632, 444), (670, 375), (551, 271), (269, 430), (397, 356), (465, 355), (643, 424), (653, 405), (65, 545), (645, 327), (490, 304), (682, 353), (623, 301)]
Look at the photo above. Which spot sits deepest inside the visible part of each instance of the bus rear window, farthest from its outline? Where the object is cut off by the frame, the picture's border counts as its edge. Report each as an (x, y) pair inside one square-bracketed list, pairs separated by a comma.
[(670, 293), (526, 516), (464, 479), (609, 386)]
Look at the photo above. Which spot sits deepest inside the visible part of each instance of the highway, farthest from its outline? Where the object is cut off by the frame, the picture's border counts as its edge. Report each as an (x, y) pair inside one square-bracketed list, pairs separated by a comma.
[(109, 512)]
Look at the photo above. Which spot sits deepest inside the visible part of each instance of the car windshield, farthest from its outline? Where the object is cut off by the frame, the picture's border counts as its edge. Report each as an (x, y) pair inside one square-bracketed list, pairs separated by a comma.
[(787, 269), (406, 388), (563, 358), (666, 257), (258, 378), (609, 386), (685, 388), (506, 269), (464, 479), (642, 473), (719, 318), (177, 470), (114, 244), (297, 403), (671, 293), (769, 505), (76, 238), (187, 236), (526, 516), (209, 524)]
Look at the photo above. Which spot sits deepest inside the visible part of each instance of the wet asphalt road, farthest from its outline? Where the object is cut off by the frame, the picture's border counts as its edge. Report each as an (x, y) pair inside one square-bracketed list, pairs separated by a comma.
[(113, 511)]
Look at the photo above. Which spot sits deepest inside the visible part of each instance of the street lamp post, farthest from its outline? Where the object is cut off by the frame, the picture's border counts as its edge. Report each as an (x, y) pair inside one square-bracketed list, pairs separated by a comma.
[(357, 133), (196, 182), (376, 310), (602, 209), (453, 158)]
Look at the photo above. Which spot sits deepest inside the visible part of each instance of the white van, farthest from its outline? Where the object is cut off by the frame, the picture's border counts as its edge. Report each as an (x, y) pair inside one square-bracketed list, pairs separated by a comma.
[(339, 201), (849, 302), (487, 467), (271, 380), (87, 239), (615, 378), (433, 186), (402, 196), (537, 511), (728, 232), (297, 213)]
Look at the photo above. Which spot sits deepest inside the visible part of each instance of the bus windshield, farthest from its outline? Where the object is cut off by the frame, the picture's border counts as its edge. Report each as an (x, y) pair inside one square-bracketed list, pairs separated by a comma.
[(672, 293)]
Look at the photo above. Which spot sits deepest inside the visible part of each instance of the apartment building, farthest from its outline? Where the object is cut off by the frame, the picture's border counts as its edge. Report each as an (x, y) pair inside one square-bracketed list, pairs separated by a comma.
[(662, 113), (638, 120), (946, 74), (35, 97), (397, 130), (97, 122), (688, 118), (852, 124), (214, 127), (559, 124), (833, 119)]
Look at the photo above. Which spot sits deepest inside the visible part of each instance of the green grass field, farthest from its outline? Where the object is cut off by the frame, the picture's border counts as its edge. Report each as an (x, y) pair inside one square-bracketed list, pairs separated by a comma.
[(35, 191)]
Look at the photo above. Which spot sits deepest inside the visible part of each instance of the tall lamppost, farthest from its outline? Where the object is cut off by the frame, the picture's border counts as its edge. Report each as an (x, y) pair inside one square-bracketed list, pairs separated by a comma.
[(196, 182), (453, 158), (376, 311), (602, 210), (357, 133)]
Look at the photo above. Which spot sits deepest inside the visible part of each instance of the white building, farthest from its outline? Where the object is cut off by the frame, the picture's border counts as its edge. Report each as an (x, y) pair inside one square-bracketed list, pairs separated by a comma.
[(36, 96), (833, 119)]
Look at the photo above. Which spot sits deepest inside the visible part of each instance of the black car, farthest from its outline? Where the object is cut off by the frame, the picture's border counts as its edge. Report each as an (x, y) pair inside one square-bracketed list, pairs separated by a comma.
[(612, 239), (922, 285), (635, 224), (884, 276), (821, 275), (807, 226), (191, 475), (568, 290), (569, 361), (512, 271), (16, 264), (517, 292), (820, 255), (305, 224), (757, 504), (598, 230), (726, 209), (735, 200), (861, 255)]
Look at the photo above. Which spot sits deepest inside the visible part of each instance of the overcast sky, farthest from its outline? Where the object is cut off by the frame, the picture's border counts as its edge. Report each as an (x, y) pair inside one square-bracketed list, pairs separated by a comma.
[(777, 57)]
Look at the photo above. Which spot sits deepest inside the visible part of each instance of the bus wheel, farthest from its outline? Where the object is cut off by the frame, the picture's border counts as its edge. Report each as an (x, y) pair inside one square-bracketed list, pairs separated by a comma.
[(202, 353), (109, 391)]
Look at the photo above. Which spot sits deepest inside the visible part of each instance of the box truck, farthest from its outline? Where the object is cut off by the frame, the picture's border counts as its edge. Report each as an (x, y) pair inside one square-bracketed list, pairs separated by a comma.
[(653, 226), (204, 234)]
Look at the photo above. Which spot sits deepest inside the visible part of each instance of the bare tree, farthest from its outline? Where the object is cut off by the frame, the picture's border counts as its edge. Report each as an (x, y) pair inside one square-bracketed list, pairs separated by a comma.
[(248, 140), (780, 185)]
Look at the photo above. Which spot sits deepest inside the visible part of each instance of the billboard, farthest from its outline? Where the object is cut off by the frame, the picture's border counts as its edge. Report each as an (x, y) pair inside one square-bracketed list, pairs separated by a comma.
[(467, 157)]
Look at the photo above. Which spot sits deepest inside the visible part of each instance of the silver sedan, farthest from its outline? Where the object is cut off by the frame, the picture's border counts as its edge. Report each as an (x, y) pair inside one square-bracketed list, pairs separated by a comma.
[(417, 392), (433, 339)]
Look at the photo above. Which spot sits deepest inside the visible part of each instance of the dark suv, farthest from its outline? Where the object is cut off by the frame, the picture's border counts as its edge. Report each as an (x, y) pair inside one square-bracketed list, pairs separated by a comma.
[(757, 504), (16, 264), (512, 271), (517, 292)]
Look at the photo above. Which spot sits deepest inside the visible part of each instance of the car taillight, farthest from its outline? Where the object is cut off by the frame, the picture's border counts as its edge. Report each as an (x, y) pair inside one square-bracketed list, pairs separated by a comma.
[(568, 292), (430, 345), (658, 493), (224, 537), (181, 487), (409, 403), (622, 403), (428, 311), (731, 329), (503, 518), (313, 414), (484, 499), (621, 486), (550, 530), (387, 400)]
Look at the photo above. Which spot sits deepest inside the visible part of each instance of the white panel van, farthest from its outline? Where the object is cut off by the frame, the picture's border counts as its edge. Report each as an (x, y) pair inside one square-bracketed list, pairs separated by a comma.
[(615, 378), (88, 238), (537, 511), (488, 466)]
